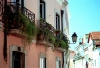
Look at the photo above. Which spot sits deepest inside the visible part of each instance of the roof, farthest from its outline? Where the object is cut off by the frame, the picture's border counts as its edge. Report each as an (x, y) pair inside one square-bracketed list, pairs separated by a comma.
[(94, 36)]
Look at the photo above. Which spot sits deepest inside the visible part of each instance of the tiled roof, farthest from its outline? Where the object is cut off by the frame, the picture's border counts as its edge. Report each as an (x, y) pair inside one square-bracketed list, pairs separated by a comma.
[(95, 35)]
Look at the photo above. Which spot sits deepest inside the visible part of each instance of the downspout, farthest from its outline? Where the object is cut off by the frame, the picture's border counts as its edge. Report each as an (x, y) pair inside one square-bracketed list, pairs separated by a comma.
[(62, 12), (5, 31), (63, 60)]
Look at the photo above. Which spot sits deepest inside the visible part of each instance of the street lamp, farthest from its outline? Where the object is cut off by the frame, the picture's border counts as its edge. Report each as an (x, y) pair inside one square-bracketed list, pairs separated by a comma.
[(74, 38)]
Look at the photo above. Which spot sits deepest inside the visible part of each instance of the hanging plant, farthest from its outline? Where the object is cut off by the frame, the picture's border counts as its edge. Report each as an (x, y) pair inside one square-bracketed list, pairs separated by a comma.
[(28, 28), (51, 39), (62, 44)]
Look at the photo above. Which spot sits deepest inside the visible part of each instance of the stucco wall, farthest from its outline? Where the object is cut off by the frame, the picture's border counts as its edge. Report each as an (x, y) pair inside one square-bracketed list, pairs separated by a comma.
[(32, 54), (52, 6)]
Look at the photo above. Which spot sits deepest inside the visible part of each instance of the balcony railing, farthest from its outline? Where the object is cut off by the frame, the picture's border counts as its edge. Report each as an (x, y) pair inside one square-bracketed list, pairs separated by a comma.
[(15, 6), (15, 13), (59, 38), (27, 12), (19, 20)]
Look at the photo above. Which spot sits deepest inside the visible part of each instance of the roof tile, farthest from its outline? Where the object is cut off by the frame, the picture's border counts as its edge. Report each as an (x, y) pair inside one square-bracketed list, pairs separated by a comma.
[(95, 35)]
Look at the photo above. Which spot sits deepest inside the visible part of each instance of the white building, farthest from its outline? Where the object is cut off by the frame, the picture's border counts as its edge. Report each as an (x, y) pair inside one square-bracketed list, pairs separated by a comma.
[(94, 49), (81, 57)]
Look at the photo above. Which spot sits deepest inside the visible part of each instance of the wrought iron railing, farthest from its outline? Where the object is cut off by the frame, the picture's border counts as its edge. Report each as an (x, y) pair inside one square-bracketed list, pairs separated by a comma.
[(1, 9), (24, 10), (46, 26), (43, 25), (15, 7)]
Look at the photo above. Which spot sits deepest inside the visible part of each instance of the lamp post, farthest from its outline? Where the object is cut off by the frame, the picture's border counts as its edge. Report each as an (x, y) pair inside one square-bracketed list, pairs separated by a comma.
[(74, 38)]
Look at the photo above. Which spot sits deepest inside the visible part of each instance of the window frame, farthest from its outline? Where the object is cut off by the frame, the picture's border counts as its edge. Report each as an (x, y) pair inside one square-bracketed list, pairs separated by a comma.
[(43, 3), (58, 62), (57, 21), (42, 62), (20, 57), (15, 48)]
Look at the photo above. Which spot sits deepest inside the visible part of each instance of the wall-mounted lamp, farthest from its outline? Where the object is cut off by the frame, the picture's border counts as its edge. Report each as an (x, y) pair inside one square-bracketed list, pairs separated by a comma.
[(74, 38)]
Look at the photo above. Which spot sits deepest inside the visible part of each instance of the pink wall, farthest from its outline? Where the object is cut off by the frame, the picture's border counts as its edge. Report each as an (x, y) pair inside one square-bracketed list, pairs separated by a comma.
[(32, 57)]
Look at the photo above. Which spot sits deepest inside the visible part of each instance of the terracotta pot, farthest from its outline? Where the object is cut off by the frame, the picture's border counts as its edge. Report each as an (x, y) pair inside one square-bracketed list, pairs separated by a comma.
[(57, 31), (40, 36)]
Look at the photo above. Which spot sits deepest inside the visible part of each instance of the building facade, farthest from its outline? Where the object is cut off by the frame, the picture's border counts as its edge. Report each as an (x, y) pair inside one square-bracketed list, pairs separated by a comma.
[(81, 57), (33, 33), (90, 50), (94, 49)]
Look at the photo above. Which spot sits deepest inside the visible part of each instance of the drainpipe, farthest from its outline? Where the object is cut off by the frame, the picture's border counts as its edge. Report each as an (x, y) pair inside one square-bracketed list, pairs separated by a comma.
[(62, 12), (5, 31), (63, 58)]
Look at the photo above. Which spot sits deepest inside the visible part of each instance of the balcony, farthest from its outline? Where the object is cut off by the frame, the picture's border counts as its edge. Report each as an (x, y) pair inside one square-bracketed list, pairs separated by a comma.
[(20, 20), (46, 32), (21, 23)]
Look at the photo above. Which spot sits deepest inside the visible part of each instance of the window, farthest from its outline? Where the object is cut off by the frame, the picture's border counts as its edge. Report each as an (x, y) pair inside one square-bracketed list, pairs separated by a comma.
[(58, 64), (16, 1), (18, 60), (21, 2), (57, 24), (42, 9), (42, 62), (13, 0), (57, 21)]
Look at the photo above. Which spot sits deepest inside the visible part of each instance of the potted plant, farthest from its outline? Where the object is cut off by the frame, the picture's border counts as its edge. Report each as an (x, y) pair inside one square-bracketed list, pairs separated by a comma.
[(57, 31), (49, 26), (52, 39), (40, 34), (62, 44)]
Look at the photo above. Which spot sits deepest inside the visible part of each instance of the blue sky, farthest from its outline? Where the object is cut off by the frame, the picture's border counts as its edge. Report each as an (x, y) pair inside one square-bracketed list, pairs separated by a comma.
[(85, 17)]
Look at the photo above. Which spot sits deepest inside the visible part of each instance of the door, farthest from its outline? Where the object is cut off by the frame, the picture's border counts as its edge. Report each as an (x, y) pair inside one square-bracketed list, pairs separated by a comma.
[(18, 60)]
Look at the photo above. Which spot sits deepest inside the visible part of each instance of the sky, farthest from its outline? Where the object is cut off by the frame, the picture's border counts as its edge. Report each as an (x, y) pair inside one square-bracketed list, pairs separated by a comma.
[(84, 17)]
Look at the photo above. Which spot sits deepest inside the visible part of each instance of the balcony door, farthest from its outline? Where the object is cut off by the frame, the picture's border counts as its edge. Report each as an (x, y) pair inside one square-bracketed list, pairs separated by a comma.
[(21, 2), (18, 60)]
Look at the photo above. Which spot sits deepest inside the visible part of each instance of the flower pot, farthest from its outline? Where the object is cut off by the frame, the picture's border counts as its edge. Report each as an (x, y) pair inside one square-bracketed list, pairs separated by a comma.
[(40, 37), (57, 31)]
